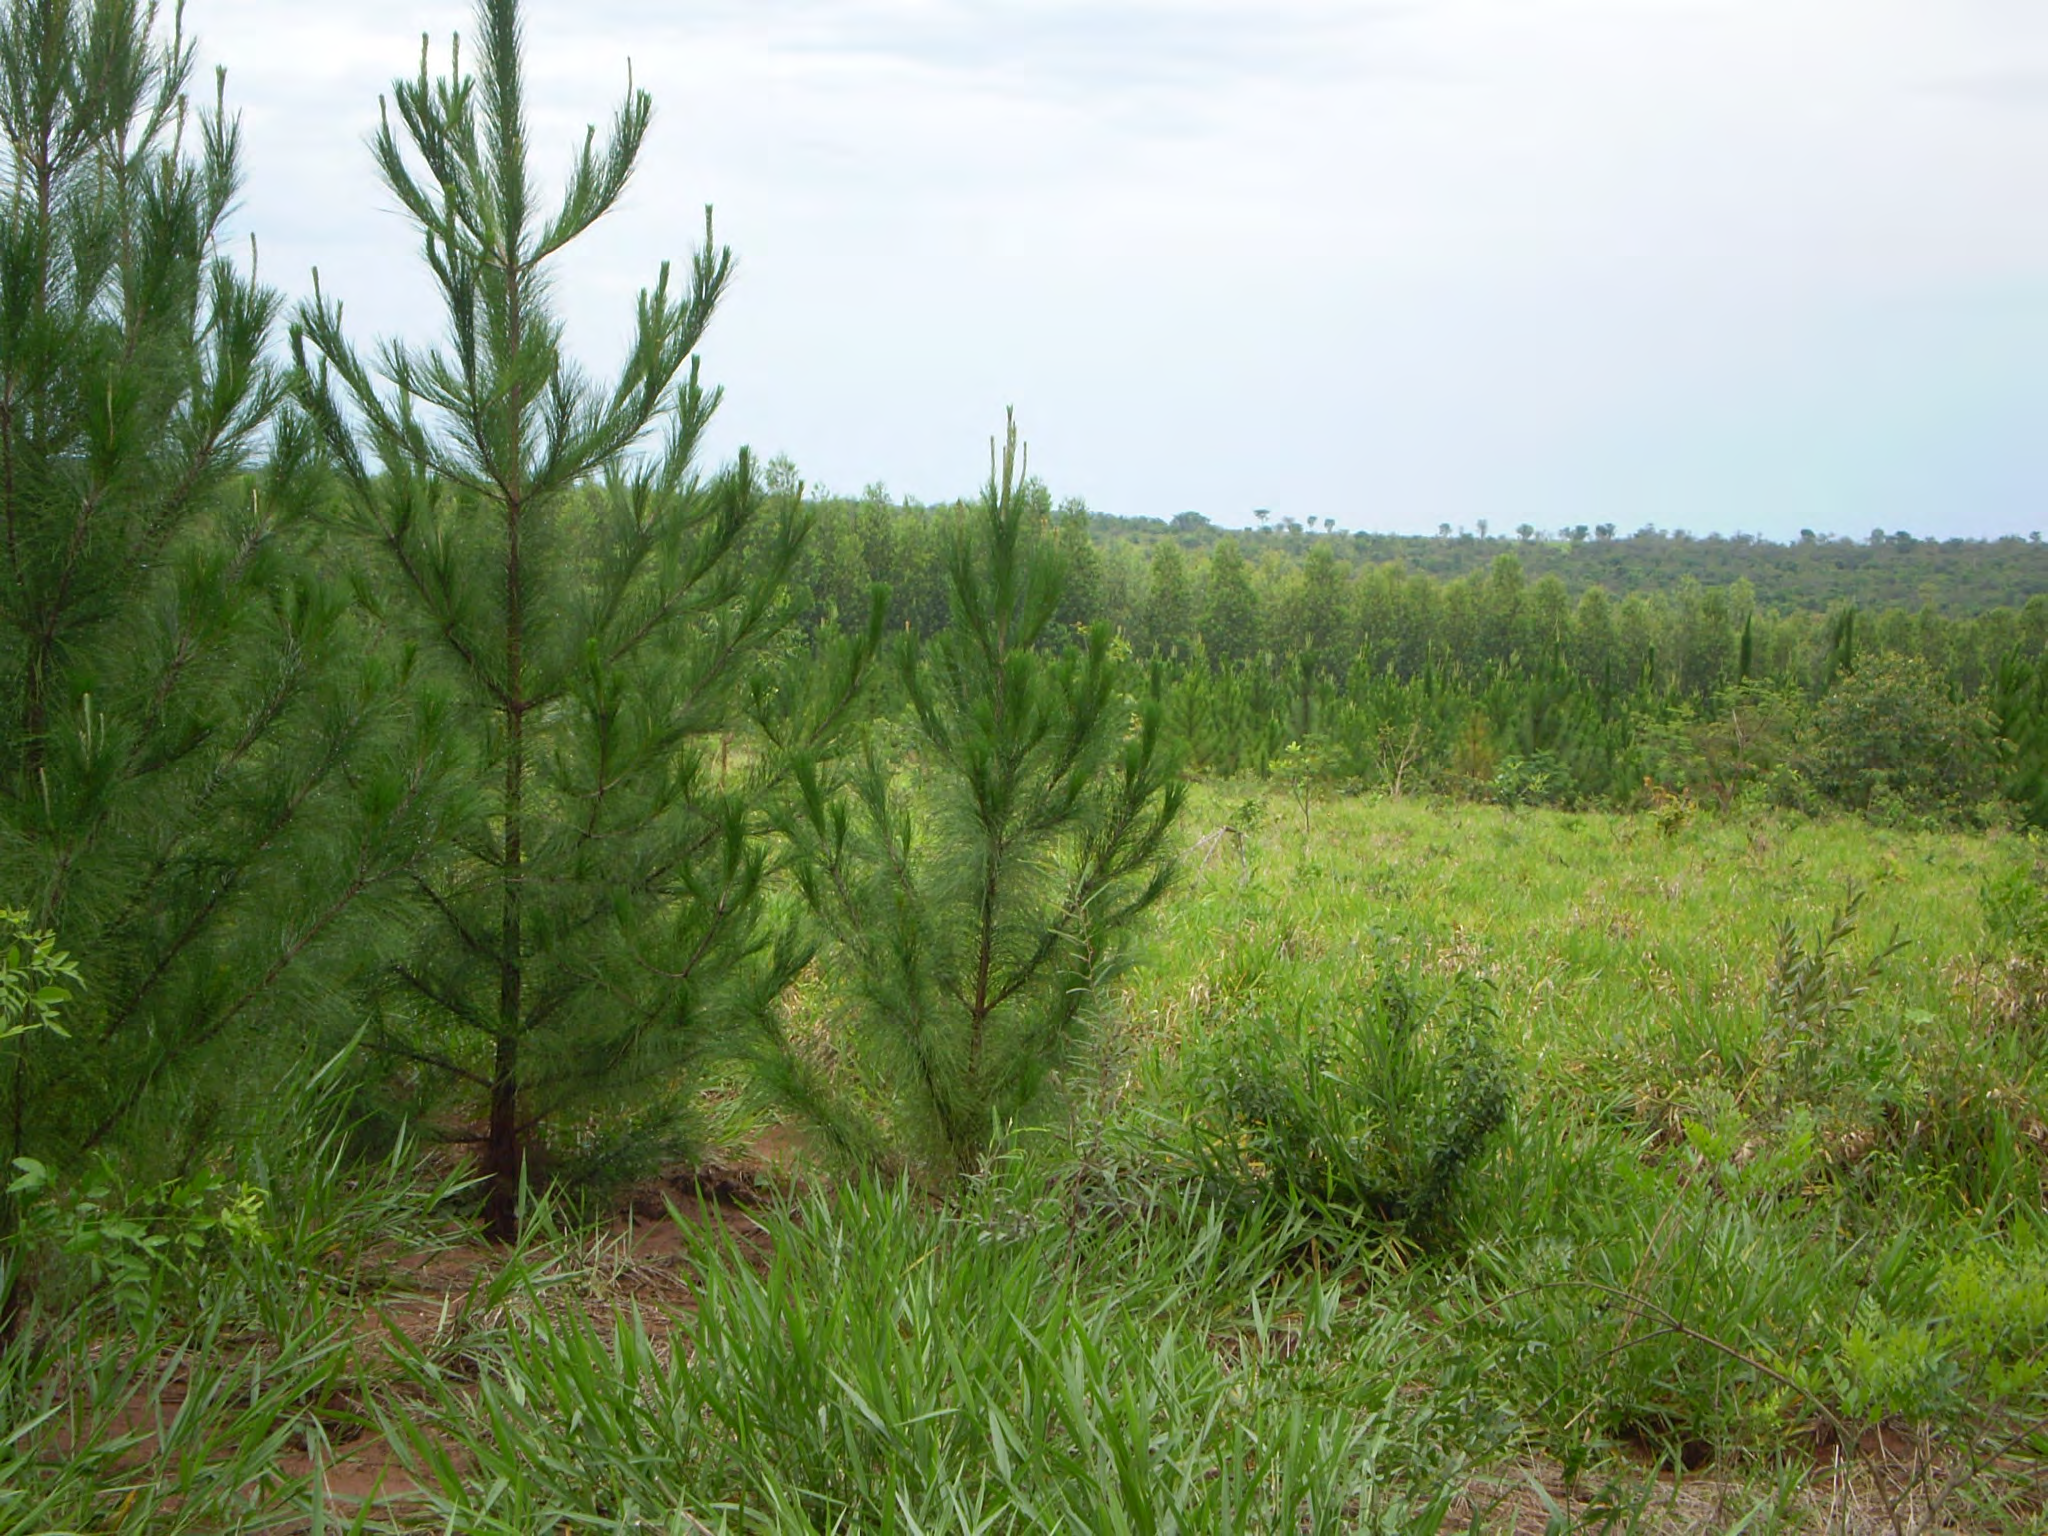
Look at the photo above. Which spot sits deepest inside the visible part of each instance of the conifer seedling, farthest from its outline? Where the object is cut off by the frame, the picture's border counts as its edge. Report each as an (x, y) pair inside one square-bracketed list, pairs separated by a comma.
[(978, 888), (598, 607)]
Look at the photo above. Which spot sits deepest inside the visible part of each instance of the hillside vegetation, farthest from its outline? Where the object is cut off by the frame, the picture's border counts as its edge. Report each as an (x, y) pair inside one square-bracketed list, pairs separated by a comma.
[(1276, 653), (548, 986)]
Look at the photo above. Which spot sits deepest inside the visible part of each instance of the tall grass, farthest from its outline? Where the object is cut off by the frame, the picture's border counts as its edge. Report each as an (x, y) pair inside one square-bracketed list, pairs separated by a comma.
[(185, 1345), (870, 1361), (1760, 1246)]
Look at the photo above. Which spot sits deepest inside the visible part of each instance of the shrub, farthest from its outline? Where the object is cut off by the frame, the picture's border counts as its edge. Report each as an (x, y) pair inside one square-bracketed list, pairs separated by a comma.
[(2015, 904), (1890, 737), (1813, 989), (33, 977), (132, 1243), (2016, 911), (1376, 1107), (1538, 779)]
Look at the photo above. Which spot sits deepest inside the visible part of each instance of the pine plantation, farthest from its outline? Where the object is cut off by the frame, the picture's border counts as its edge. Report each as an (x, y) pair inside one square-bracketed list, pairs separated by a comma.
[(550, 985)]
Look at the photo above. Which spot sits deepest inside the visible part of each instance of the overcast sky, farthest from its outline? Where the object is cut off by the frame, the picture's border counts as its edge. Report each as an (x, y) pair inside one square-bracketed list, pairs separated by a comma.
[(1746, 265)]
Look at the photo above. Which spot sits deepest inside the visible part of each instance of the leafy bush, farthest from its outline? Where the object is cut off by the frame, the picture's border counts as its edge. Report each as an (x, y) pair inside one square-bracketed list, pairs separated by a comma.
[(130, 1243), (1982, 1347), (36, 977), (1538, 779), (1374, 1107), (1890, 738), (36, 981), (2016, 911), (243, 1235)]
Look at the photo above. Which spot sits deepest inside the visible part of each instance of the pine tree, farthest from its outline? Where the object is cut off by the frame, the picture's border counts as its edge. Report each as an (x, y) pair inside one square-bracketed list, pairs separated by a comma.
[(2019, 704), (1081, 584), (202, 778), (838, 575), (1231, 627), (596, 608), (1841, 656), (1594, 648), (1168, 604), (1319, 611), (976, 903)]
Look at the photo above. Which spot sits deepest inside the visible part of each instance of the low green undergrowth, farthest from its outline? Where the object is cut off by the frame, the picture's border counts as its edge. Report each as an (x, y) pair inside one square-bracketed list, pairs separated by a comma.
[(1444, 1170), (1008, 1362), (1373, 1105)]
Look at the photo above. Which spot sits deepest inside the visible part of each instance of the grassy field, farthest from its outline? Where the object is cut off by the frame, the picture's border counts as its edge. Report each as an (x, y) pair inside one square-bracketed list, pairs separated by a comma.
[(1758, 1244)]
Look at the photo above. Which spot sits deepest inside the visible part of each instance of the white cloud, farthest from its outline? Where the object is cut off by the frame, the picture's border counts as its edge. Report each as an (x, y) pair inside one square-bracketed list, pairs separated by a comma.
[(1388, 262)]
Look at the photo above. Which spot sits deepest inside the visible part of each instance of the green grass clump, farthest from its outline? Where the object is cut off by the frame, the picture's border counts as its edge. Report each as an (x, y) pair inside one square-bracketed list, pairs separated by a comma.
[(1372, 1105), (183, 1353), (1014, 1361)]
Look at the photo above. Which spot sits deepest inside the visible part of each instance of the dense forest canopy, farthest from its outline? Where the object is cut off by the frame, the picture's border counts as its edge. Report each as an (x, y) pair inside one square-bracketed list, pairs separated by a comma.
[(1676, 603), (1886, 570)]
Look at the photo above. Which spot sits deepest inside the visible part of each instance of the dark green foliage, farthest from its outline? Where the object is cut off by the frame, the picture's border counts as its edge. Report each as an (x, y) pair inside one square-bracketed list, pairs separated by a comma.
[(2016, 910), (203, 766), (1958, 577), (1231, 618), (1376, 1106), (1317, 613), (1406, 682), (2019, 707), (1528, 653), (1082, 585), (978, 877), (1890, 735), (595, 918), (1169, 604)]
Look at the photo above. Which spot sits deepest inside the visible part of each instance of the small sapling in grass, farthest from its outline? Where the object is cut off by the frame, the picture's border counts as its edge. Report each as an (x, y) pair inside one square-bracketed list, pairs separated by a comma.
[(974, 909)]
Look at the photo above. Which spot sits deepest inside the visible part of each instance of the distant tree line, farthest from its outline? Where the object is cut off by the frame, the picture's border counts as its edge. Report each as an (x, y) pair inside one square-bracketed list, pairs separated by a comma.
[(1522, 675), (1884, 569)]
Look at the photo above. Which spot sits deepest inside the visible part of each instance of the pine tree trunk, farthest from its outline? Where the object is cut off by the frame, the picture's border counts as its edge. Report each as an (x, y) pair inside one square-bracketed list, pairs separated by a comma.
[(505, 1157), (504, 1162)]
